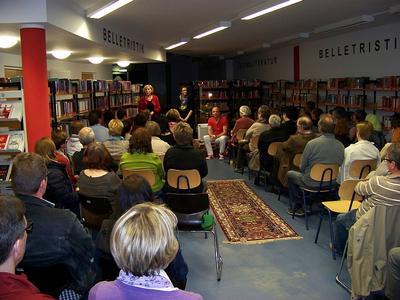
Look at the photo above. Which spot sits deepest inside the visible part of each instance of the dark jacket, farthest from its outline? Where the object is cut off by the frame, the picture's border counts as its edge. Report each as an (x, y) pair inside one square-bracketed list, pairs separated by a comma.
[(78, 166), (59, 188), (266, 138), (289, 127), (58, 238), (185, 158)]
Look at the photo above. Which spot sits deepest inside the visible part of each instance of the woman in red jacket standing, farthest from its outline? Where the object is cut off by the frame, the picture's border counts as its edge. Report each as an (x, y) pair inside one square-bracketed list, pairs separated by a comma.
[(149, 101)]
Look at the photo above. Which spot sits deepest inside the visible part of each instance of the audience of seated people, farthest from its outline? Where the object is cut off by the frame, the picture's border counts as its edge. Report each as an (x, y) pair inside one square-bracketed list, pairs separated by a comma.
[(143, 243), (377, 190), (141, 156), (95, 122), (324, 149), (217, 133), (73, 144), (14, 230), (258, 127), (362, 150), (159, 146), (59, 187), (183, 156), (294, 145), (116, 144), (58, 237)]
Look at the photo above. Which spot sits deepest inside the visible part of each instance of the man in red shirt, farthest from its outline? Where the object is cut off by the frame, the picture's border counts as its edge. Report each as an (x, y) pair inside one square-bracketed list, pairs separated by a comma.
[(13, 234), (217, 133)]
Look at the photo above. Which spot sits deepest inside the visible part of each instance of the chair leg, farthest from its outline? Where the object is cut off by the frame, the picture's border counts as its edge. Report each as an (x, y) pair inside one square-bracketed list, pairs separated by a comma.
[(332, 235), (279, 193), (205, 235), (218, 258), (338, 279), (319, 227), (305, 209)]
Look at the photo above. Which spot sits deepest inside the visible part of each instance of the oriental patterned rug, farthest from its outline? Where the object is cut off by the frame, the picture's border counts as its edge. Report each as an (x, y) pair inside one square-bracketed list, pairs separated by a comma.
[(243, 216)]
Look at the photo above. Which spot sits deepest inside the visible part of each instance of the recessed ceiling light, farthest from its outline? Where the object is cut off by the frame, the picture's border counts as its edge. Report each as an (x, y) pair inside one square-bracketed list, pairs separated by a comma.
[(96, 59), (270, 9), (123, 63), (61, 54), (222, 25), (108, 8), (8, 41)]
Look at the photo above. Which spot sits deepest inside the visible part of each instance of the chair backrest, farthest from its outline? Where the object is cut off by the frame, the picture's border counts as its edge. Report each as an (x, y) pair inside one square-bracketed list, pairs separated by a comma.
[(240, 134), (346, 190), (297, 160), (184, 203), (324, 172), (361, 168), (146, 173), (183, 179), (94, 210), (273, 148)]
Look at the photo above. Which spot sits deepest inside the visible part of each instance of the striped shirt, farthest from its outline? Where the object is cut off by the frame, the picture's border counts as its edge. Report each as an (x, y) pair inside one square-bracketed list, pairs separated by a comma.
[(378, 190)]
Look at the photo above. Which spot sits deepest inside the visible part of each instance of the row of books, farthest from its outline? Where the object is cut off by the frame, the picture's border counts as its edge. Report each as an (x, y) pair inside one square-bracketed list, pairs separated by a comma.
[(65, 108), (390, 103), (338, 99), (12, 141), (246, 83), (250, 94), (11, 110), (212, 83), (207, 95), (76, 86), (120, 99), (83, 106)]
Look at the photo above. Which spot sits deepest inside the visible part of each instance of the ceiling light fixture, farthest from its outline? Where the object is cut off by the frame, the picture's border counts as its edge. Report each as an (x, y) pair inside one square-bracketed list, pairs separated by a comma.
[(108, 8), (183, 41), (222, 25), (345, 24), (61, 54), (394, 10), (270, 9), (96, 59), (123, 63), (301, 35), (8, 41)]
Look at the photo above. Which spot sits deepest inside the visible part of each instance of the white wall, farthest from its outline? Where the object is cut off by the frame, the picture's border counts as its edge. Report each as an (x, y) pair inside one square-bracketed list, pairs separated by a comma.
[(59, 68), (316, 60), (266, 65)]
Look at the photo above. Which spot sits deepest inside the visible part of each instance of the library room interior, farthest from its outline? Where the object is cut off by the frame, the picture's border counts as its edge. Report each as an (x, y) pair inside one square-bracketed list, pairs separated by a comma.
[(214, 150)]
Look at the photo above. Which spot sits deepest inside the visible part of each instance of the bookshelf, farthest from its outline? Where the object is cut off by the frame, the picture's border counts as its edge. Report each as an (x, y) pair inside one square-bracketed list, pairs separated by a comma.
[(12, 134)]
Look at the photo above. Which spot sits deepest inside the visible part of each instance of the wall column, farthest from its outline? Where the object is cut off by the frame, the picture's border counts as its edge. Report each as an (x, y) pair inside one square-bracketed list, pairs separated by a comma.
[(296, 63), (34, 71)]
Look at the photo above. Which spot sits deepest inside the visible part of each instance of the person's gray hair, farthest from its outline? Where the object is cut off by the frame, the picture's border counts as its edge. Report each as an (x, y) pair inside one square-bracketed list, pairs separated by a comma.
[(244, 110), (153, 128), (326, 123), (86, 136), (183, 134), (274, 121)]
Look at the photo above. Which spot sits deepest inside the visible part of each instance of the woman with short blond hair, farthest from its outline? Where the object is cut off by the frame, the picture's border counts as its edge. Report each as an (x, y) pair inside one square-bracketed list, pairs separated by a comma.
[(116, 144), (143, 243)]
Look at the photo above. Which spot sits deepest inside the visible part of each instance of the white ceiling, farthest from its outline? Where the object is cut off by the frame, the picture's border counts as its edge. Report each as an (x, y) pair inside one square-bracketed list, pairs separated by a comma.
[(165, 22)]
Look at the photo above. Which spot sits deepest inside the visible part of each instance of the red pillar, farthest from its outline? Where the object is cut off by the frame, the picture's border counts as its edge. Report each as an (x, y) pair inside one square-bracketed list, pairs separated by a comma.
[(34, 71), (296, 63)]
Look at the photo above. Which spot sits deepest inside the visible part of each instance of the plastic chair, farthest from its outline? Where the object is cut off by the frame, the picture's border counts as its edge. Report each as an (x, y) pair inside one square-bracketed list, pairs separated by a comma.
[(361, 168), (148, 174), (272, 150), (189, 209), (240, 134), (94, 210), (349, 199), (326, 175), (297, 160), (191, 178)]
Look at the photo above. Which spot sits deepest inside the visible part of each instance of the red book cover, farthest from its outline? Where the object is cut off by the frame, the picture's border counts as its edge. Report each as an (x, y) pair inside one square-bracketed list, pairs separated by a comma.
[(3, 141)]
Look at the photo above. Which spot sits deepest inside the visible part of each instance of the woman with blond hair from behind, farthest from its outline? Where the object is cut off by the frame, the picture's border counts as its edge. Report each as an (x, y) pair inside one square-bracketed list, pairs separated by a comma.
[(143, 243)]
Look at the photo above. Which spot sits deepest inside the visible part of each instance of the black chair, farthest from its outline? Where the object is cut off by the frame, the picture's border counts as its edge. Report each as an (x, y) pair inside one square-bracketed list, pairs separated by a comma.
[(94, 210), (189, 209)]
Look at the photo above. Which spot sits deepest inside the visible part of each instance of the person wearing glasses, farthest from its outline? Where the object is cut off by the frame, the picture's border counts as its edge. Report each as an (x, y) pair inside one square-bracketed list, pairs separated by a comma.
[(13, 235), (59, 237), (377, 190)]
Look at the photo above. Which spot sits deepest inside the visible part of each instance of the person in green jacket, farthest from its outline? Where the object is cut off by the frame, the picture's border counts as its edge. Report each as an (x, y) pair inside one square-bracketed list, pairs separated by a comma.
[(140, 156)]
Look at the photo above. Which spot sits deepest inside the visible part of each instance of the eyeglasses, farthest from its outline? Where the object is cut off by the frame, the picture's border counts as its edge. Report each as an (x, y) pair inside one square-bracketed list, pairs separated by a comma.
[(29, 227), (391, 160)]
